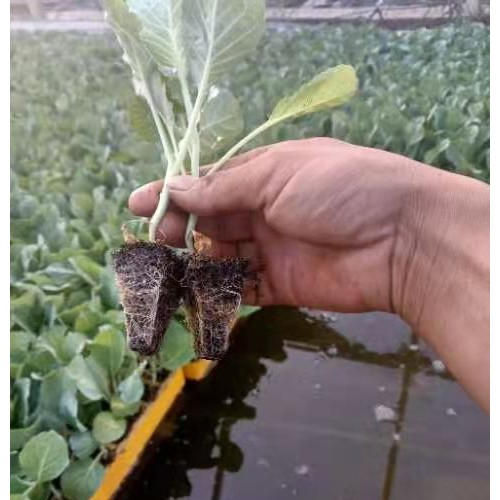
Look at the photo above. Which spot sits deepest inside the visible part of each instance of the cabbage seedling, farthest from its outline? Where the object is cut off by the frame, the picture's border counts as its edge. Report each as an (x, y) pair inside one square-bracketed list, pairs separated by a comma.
[(178, 51)]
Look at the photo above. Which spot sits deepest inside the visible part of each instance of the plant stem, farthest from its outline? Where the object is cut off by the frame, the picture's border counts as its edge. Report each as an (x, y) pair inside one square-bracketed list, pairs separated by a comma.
[(55, 491), (252, 135), (169, 156), (154, 368), (195, 172), (183, 150)]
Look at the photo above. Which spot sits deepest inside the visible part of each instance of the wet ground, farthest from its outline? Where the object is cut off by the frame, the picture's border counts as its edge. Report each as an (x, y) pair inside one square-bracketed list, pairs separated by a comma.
[(345, 408)]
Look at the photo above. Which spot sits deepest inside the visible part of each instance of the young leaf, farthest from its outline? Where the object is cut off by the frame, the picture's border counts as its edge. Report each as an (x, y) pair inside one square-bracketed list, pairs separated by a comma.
[(108, 291), (81, 205), (90, 378), (177, 347), (20, 343), (27, 310), (121, 409), (17, 485), (44, 457), (58, 403), (329, 89), (216, 34), (108, 348), (87, 269), (221, 121), (162, 23), (83, 444), (132, 388), (81, 479), (19, 437), (126, 27), (222, 33), (141, 120), (20, 395), (107, 429)]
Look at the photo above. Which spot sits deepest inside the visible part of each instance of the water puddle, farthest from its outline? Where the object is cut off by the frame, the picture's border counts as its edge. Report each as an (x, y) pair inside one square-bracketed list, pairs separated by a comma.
[(309, 407)]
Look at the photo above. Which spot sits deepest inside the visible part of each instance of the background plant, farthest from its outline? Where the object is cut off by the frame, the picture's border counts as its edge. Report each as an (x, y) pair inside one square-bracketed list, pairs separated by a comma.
[(74, 161)]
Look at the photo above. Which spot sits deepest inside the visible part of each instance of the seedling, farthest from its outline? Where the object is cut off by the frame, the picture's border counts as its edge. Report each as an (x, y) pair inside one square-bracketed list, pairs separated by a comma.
[(179, 51)]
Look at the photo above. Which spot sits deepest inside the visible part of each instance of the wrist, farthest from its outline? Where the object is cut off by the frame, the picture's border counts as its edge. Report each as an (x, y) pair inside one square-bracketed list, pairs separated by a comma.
[(441, 255)]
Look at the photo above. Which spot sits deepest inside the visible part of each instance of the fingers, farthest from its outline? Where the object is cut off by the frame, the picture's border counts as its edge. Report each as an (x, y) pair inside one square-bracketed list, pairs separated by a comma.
[(172, 229), (228, 229), (239, 160), (143, 201), (238, 189)]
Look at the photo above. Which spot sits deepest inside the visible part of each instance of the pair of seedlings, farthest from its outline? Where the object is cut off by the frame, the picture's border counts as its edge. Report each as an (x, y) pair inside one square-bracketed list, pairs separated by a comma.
[(154, 280), (180, 53)]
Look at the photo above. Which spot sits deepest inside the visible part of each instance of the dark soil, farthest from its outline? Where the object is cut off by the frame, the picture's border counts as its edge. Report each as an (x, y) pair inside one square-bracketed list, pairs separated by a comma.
[(148, 278), (212, 295)]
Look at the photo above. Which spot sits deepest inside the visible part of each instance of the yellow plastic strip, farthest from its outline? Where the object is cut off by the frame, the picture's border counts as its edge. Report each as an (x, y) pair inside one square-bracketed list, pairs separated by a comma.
[(198, 370), (131, 449)]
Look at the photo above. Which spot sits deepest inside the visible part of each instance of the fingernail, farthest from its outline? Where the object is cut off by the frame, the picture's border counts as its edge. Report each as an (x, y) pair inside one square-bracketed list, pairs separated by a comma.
[(181, 183)]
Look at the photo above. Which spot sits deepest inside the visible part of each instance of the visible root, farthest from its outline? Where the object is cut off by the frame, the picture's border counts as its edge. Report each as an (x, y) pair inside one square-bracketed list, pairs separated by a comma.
[(148, 278), (212, 294)]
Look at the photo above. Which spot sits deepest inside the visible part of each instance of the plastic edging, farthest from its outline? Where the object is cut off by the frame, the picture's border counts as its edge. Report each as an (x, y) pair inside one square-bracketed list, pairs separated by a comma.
[(130, 450), (198, 370)]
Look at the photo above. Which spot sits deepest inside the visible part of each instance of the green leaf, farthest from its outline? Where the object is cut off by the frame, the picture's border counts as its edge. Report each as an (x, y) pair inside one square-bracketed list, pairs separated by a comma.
[(126, 27), (87, 269), (73, 344), (223, 33), (20, 343), (131, 389), (109, 292), (19, 437), (82, 205), (58, 401), (44, 457), (18, 485), (436, 151), (88, 318), (90, 378), (141, 120), (329, 89), (83, 444), (121, 409), (27, 311), (108, 429), (42, 362), (20, 395), (82, 479), (177, 347), (108, 348), (221, 121), (162, 30), (216, 34), (40, 491), (415, 131)]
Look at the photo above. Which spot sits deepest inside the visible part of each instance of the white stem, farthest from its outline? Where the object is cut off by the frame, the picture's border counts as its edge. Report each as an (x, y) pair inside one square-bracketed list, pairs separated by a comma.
[(234, 150), (183, 149)]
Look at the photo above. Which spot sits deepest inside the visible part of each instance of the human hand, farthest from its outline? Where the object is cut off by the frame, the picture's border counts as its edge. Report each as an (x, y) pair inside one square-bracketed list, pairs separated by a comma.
[(318, 218), (334, 226)]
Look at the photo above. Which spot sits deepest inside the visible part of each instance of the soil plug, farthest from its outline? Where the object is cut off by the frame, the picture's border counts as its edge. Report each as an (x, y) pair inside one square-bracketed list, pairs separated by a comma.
[(148, 276), (213, 290)]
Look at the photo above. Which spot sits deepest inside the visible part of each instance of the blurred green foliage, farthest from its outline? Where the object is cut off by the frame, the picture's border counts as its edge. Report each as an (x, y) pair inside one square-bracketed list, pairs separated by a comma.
[(74, 161)]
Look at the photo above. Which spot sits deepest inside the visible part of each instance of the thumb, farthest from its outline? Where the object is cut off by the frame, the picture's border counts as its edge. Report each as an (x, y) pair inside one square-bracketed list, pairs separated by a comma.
[(237, 189)]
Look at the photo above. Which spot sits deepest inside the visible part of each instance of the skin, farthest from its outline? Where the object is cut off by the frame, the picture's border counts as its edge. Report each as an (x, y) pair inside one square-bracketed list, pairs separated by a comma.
[(340, 227)]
